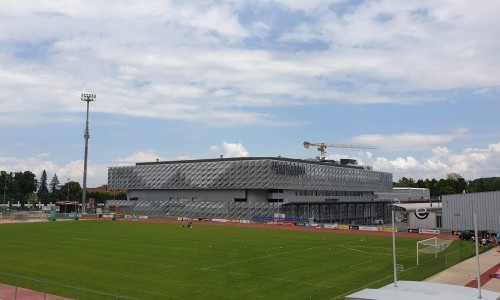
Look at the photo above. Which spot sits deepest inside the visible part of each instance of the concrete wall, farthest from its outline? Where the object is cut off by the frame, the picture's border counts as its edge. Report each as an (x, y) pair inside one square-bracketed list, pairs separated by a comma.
[(190, 195), (290, 196), (252, 195), (427, 223), (257, 196)]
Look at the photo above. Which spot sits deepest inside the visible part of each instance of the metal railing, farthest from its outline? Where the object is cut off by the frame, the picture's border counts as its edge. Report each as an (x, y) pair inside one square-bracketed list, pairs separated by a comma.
[(14, 286)]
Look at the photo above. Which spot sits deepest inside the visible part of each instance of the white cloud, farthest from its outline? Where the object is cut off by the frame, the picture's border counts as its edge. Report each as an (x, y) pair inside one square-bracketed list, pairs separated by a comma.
[(230, 150), (440, 151), (410, 141), (140, 156), (96, 173), (145, 56), (470, 164)]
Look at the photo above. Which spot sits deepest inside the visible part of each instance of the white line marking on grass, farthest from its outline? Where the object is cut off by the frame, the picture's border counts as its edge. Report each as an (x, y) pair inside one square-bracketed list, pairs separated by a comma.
[(384, 251), (267, 277), (272, 255), (368, 261), (366, 285), (259, 257)]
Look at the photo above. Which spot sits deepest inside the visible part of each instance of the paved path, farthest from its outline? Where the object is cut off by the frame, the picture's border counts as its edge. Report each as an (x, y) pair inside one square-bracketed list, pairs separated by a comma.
[(8, 292), (465, 272)]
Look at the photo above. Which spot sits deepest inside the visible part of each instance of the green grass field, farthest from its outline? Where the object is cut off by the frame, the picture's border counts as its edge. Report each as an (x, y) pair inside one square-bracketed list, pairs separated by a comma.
[(164, 261)]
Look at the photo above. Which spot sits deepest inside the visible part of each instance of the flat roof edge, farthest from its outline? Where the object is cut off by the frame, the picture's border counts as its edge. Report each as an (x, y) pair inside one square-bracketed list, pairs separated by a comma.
[(284, 159)]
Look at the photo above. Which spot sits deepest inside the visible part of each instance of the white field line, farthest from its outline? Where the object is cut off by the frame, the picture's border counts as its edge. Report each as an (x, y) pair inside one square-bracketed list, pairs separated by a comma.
[(350, 292), (211, 268), (267, 277), (257, 258), (366, 285), (267, 255)]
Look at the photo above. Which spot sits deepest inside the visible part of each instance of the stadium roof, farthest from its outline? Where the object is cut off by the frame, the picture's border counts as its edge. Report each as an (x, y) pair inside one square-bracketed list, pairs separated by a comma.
[(279, 158), (415, 206), (415, 290)]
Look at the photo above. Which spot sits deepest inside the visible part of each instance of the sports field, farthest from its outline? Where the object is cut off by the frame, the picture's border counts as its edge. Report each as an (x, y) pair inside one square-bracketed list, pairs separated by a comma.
[(164, 261)]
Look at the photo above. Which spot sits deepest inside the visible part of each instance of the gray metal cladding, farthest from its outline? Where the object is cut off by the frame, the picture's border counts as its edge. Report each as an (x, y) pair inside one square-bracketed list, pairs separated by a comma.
[(458, 211), (265, 173)]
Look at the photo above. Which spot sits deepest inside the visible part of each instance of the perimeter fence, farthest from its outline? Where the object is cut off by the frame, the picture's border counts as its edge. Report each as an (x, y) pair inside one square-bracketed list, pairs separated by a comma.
[(17, 286)]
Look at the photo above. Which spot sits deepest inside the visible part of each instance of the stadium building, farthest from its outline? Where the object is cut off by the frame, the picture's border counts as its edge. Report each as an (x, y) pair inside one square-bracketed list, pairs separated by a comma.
[(244, 188)]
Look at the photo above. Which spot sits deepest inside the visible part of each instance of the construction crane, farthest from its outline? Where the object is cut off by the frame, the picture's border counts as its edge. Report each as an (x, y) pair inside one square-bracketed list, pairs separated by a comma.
[(322, 147)]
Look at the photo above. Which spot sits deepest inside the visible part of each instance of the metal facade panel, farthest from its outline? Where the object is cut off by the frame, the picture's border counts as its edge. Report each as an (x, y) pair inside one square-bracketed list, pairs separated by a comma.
[(248, 174), (458, 211)]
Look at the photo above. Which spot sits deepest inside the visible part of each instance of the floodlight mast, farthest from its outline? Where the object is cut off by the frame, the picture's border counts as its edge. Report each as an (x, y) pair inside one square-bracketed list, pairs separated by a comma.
[(87, 98)]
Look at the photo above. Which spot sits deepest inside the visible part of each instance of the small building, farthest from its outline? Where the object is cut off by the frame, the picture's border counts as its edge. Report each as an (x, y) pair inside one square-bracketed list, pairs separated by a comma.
[(459, 210), (68, 206), (420, 216)]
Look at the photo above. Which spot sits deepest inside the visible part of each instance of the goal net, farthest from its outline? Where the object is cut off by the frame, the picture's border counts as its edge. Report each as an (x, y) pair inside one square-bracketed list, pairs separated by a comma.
[(432, 246)]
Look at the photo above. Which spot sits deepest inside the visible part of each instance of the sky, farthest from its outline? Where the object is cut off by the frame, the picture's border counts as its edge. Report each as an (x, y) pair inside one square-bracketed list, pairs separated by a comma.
[(418, 80)]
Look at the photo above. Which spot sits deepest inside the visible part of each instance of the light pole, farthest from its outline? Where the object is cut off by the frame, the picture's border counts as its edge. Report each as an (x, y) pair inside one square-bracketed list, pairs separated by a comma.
[(67, 198), (87, 98), (67, 195), (4, 188)]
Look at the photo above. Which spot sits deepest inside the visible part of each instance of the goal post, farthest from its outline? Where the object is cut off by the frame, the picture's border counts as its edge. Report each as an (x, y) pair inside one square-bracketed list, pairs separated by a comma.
[(432, 246)]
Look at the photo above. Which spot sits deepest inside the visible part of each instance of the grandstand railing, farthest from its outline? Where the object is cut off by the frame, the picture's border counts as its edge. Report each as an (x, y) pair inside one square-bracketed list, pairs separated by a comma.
[(264, 219)]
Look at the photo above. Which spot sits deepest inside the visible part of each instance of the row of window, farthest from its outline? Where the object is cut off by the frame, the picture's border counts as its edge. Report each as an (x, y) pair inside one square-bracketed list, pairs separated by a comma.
[(328, 193)]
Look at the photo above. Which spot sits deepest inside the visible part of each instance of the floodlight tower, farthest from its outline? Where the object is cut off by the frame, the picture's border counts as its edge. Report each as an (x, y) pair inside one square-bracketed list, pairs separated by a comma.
[(87, 98), (4, 187)]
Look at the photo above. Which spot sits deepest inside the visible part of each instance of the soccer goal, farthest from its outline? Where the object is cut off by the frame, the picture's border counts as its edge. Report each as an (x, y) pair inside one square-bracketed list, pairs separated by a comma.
[(432, 246)]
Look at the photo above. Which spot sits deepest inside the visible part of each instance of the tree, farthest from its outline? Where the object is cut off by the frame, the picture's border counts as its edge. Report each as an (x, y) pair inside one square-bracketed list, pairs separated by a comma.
[(446, 190), (43, 191), (121, 196), (25, 183), (433, 187), (71, 191), (54, 184), (421, 184), (406, 182), (32, 198), (457, 182), (5, 183)]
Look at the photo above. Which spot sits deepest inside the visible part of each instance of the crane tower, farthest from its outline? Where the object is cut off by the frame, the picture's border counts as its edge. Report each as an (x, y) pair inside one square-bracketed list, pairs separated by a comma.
[(322, 147)]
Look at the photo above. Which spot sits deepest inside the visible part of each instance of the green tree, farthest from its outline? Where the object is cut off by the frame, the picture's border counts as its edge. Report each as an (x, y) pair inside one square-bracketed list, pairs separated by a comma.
[(484, 185), (421, 184), (446, 190), (433, 187), (71, 191), (54, 184), (457, 182), (32, 198), (406, 182), (43, 190), (24, 184), (5, 183), (121, 196)]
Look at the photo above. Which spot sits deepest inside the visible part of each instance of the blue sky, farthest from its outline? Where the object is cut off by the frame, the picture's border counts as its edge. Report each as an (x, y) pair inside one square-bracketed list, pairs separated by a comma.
[(419, 80)]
